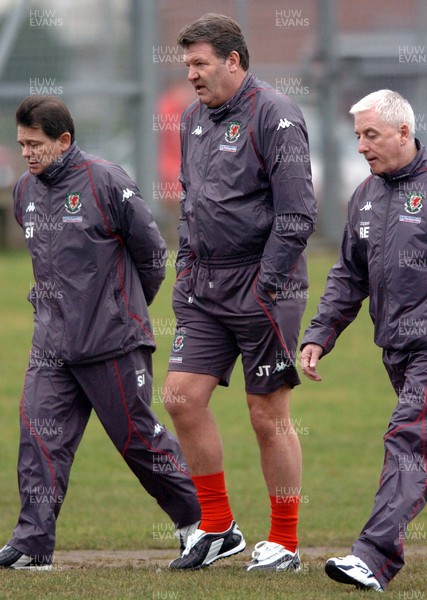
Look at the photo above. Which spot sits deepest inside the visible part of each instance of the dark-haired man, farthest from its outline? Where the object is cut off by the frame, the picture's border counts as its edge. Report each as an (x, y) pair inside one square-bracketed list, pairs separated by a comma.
[(248, 209), (95, 250)]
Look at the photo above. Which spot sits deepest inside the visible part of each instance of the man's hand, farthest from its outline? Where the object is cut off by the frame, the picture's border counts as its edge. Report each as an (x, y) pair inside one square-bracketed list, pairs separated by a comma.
[(309, 358)]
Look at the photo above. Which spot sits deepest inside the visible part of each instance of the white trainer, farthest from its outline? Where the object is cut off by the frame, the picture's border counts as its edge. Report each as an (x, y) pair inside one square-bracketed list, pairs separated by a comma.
[(269, 556), (352, 570)]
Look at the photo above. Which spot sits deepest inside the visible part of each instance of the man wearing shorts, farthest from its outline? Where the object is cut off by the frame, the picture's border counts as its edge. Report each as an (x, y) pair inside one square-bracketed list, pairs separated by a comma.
[(248, 209)]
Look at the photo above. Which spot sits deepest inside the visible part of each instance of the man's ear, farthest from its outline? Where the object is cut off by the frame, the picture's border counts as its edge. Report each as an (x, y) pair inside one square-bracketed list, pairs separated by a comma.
[(233, 61), (64, 140), (404, 133)]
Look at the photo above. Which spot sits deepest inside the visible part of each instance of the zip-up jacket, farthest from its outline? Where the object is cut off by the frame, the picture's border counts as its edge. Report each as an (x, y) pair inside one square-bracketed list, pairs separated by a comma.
[(98, 258), (383, 256), (247, 188)]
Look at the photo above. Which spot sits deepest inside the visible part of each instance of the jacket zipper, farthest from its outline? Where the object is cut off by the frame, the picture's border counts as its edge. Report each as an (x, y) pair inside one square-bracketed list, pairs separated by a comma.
[(383, 265), (211, 284)]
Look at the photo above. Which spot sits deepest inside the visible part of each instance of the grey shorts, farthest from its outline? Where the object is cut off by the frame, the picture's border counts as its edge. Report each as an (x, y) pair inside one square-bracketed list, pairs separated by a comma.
[(221, 313)]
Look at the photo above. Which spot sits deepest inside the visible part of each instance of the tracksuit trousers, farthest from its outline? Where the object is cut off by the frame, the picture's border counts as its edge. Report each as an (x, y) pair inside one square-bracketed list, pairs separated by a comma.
[(55, 407), (403, 486)]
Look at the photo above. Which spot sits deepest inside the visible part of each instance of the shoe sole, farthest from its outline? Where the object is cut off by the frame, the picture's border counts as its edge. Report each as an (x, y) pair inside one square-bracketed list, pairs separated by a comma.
[(335, 573), (34, 568), (276, 568)]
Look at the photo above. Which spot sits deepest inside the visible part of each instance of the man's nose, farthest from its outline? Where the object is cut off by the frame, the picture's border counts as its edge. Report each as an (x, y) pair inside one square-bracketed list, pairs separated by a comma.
[(192, 74)]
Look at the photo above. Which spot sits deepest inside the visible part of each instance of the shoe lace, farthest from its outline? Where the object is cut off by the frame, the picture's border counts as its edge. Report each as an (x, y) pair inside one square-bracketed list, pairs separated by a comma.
[(258, 548), (191, 540)]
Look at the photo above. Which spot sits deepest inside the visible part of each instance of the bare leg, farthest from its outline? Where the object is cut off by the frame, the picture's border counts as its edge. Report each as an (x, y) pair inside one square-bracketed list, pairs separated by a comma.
[(279, 445), (186, 398)]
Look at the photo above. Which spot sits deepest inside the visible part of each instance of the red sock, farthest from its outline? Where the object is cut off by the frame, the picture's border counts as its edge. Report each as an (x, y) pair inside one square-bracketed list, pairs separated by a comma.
[(284, 521), (216, 511)]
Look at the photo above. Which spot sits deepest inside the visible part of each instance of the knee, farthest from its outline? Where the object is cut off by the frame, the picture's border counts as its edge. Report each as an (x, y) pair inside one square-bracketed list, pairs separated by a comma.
[(175, 399), (263, 423)]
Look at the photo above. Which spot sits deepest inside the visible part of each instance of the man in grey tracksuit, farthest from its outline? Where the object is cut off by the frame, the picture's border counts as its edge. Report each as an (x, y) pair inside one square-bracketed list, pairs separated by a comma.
[(98, 261), (384, 256), (248, 210)]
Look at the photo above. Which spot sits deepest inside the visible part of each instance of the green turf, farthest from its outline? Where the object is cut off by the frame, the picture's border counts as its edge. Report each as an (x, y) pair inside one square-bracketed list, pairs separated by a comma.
[(341, 423)]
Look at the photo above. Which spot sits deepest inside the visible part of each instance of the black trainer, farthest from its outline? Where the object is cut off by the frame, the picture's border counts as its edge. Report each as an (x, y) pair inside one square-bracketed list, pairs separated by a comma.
[(10, 558), (203, 548)]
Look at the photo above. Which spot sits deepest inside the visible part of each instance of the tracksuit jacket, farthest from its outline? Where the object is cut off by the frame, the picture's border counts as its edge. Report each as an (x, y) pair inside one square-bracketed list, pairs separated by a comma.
[(247, 189), (98, 258), (383, 255)]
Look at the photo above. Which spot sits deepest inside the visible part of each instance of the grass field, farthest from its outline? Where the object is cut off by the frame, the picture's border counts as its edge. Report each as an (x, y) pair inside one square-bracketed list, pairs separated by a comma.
[(340, 421)]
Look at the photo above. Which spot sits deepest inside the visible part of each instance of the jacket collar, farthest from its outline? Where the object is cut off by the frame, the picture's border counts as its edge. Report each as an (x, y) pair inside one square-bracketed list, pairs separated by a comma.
[(409, 169), (218, 114), (55, 171)]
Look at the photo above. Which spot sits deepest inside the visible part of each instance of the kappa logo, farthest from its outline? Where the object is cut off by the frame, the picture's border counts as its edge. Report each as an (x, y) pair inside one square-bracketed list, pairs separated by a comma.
[(73, 203), (158, 429), (197, 131), (284, 124), (127, 193), (368, 206), (281, 366), (31, 207)]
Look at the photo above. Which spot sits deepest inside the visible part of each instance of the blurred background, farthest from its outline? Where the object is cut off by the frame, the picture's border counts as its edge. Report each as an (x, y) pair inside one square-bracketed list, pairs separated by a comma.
[(118, 67)]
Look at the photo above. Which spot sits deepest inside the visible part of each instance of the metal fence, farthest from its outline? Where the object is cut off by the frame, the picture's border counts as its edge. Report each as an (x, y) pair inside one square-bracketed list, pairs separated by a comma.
[(117, 66)]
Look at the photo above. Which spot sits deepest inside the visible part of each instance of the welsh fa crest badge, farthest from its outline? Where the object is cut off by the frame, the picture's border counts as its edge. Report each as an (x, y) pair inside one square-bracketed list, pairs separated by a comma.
[(414, 203), (178, 342), (73, 203), (233, 132)]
